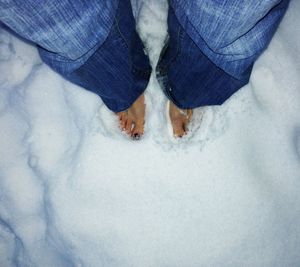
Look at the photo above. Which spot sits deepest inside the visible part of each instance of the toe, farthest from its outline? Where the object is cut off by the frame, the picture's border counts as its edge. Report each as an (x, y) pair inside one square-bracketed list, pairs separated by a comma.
[(123, 124), (128, 126), (186, 126), (189, 115), (178, 128), (187, 120), (138, 130), (122, 120)]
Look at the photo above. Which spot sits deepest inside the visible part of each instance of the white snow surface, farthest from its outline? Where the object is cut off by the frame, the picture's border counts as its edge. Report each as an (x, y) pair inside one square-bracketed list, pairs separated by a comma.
[(74, 191)]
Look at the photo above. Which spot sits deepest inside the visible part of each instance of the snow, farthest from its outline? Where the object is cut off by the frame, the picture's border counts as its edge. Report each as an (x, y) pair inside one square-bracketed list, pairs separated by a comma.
[(74, 191)]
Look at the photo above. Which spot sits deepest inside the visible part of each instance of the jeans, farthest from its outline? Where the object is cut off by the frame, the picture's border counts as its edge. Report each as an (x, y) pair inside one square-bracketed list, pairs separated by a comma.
[(208, 56), (212, 47)]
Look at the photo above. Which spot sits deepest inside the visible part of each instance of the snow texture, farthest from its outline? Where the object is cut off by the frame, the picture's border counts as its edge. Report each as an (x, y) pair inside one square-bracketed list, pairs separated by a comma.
[(74, 191)]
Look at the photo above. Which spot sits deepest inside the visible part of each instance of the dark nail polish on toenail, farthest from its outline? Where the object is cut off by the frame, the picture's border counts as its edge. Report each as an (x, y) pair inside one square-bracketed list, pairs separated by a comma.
[(136, 136)]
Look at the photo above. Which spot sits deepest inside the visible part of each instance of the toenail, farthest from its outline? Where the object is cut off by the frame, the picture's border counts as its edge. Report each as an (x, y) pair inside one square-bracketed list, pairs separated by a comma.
[(136, 136)]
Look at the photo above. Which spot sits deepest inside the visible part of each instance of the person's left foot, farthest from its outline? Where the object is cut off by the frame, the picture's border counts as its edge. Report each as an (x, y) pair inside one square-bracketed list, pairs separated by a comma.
[(132, 120), (180, 119)]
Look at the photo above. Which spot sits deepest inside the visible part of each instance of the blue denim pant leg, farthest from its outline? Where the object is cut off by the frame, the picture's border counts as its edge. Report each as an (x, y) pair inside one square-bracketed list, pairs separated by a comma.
[(202, 67), (119, 70), (91, 43), (187, 76)]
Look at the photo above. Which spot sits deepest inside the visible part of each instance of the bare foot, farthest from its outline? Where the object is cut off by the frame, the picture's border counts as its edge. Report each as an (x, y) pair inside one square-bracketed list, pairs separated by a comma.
[(180, 119), (132, 120)]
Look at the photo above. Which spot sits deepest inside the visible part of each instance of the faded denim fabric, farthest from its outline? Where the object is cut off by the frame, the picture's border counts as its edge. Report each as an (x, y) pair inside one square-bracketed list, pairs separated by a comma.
[(212, 47), (92, 43), (119, 71), (231, 33), (209, 55), (65, 27)]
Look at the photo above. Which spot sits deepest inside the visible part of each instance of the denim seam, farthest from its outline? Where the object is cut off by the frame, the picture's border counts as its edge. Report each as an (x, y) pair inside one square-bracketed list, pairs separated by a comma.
[(121, 34), (142, 73), (166, 66), (163, 70), (135, 69)]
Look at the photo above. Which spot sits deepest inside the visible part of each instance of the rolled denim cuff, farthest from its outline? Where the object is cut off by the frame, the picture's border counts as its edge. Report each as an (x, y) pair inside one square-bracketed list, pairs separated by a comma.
[(118, 71), (188, 77)]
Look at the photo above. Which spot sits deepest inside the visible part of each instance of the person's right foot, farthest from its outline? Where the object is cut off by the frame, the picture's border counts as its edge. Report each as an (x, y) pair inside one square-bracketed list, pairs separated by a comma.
[(132, 120), (180, 119)]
